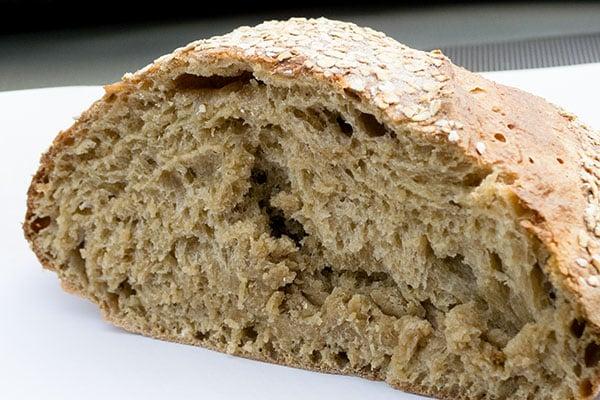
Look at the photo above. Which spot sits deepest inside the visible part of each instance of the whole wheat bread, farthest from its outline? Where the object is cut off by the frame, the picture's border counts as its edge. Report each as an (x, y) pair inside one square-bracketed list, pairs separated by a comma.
[(315, 194)]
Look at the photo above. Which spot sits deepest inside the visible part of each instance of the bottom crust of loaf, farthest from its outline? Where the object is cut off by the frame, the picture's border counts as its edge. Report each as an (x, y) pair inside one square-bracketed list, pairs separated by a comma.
[(123, 324)]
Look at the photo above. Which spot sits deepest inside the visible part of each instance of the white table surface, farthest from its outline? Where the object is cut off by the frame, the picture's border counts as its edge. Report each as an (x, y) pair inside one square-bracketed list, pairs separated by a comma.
[(56, 346)]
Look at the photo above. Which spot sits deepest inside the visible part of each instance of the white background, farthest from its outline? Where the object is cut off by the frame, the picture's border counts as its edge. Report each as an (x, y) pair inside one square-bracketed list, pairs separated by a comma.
[(56, 346)]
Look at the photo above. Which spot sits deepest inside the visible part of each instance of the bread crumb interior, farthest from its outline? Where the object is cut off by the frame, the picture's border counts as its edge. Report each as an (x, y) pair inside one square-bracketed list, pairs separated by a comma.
[(290, 224)]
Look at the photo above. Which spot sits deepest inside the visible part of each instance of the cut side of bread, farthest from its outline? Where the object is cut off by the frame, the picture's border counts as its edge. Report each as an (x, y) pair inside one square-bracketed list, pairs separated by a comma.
[(315, 194)]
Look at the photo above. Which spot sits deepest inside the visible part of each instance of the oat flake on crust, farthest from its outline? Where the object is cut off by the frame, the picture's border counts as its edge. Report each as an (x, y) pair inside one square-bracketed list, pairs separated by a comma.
[(589, 240)]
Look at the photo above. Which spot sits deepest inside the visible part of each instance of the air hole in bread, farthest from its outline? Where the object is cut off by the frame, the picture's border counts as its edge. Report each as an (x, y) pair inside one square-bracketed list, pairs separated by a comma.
[(345, 127), (371, 125), (474, 179), (78, 263), (258, 176), (225, 334), (190, 175), (577, 327), (249, 334), (315, 356), (199, 335), (352, 94), (126, 289), (40, 223), (267, 181), (341, 358), (496, 262), (150, 161), (281, 226), (543, 291), (197, 82), (592, 355)]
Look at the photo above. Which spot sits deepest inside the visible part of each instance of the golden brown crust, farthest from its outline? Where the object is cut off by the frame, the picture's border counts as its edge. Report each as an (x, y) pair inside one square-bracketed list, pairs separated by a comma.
[(539, 150), (540, 146)]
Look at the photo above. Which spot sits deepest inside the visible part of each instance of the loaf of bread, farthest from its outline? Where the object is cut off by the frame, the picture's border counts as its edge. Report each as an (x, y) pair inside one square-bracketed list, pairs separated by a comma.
[(315, 194)]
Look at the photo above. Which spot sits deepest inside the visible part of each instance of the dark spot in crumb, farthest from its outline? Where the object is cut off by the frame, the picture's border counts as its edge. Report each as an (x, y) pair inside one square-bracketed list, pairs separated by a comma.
[(277, 225), (500, 137), (126, 289), (263, 203), (352, 94), (327, 271), (577, 328), (197, 82), (341, 358), (249, 334), (40, 223), (199, 335), (560, 160), (269, 351), (281, 226), (288, 288), (474, 179), (496, 262), (258, 176), (592, 355), (315, 356), (345, 127), (190, 175), (225, 335), (372, 127)]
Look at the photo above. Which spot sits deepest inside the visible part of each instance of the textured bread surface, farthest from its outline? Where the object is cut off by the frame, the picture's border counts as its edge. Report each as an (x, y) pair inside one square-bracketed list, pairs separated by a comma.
[(315, 194)]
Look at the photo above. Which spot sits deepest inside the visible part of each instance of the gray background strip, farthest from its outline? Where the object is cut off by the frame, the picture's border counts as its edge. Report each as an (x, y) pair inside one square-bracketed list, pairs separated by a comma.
[(92, 57), (524, 54)]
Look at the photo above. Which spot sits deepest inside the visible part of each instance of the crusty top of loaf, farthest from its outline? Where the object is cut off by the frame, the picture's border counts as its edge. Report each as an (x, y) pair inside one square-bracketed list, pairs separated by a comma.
[(551, 162)]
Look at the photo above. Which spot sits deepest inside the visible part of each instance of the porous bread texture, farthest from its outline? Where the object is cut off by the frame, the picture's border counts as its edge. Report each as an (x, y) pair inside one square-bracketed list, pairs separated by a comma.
[(258, 194)]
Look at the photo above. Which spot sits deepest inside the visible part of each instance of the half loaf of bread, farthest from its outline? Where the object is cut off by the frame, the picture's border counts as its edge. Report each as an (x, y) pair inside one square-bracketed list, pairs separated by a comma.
[(315, 194)]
